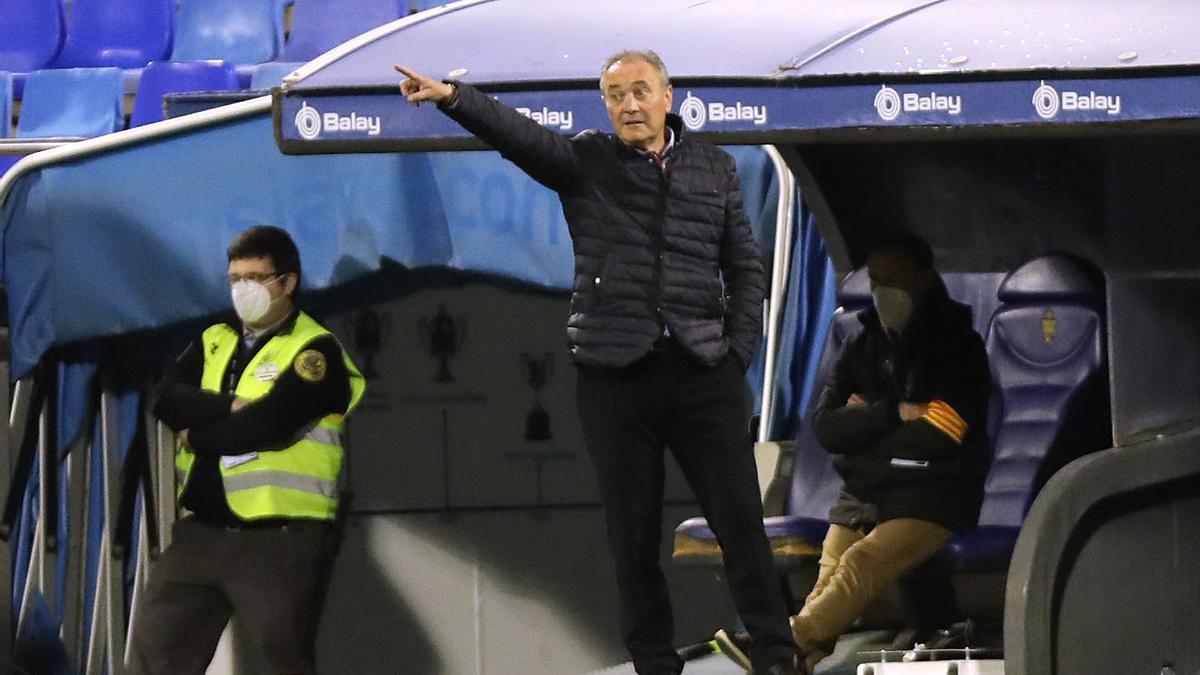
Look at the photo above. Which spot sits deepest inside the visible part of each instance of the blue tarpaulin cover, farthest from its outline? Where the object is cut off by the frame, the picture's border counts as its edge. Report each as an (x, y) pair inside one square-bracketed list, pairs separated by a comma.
[(762, 67), (135, 239)]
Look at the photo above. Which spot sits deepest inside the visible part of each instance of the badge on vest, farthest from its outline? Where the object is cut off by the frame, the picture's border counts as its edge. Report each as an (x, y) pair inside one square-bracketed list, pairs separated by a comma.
[(267, 372), (310, 365), (230, 461)]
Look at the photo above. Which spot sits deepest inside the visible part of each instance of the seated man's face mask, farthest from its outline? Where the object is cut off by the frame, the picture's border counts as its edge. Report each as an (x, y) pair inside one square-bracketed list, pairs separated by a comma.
[(896, 286), (894, 306)]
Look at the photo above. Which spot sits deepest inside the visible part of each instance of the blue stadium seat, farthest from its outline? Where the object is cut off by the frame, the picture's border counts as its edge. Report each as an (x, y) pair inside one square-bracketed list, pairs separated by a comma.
[(815, 484), (166, 77), (321, 25), (120, 33), (1050, 397), (241, 32), (72, 102), (31, 35), (6, 98), (267, 75)]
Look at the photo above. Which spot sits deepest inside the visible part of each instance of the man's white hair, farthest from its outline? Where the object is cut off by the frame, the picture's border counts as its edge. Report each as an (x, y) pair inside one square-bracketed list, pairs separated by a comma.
[(646, 55)]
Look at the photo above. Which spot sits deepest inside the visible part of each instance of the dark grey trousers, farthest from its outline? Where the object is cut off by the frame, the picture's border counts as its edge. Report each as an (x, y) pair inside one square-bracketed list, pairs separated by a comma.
[(629, 416), (272, 579)]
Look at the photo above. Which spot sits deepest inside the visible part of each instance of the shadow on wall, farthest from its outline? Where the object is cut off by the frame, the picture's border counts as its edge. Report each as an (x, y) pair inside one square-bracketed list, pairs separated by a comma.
[(492, 592), (367, 625)]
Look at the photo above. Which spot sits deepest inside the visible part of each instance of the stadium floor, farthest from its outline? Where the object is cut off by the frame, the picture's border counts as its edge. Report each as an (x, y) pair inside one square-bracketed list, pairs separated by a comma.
[(843, 661)]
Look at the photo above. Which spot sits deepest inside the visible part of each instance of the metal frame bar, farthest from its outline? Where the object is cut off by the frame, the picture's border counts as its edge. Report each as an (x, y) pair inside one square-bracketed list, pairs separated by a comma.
[(28, 146), (106, 644), (142, 571), (781, 272), (79, 467), (40, 572)]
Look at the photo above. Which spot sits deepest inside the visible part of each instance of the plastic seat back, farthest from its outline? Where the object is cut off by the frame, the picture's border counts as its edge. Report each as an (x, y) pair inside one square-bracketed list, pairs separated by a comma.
[(321, 25), (31, 34), (1050, 399), (6, 99), (169, 77), (6, 161), (268, 75), (234, 31), (121, 33), (72, 102), (815, 483)]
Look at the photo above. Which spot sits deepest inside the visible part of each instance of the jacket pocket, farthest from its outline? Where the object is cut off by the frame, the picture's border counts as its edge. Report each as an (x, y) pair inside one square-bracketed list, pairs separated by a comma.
[(714, 299), (592, 285)]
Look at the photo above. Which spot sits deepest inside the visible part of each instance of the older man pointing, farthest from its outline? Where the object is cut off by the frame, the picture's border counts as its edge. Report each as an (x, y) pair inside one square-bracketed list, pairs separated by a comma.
[(666, 313)]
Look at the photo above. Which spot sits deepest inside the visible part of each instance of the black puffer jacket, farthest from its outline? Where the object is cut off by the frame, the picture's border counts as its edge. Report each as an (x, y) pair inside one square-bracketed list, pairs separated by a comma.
[(653, 247), (895, 469)]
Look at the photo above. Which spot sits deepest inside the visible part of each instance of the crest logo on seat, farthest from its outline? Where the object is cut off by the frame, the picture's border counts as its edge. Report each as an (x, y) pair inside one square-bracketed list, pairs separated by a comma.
[(1049, 326)]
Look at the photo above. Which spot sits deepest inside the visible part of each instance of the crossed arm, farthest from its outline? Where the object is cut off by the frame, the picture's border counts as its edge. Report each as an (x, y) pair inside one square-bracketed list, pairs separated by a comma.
[(219, 424), (847, 422)]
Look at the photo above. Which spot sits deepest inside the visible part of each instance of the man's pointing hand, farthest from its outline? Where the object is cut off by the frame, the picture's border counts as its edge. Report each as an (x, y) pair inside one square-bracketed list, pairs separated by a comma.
[(419, 88)]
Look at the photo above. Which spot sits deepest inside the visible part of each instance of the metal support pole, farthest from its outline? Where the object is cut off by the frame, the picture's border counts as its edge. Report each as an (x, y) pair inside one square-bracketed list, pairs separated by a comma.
[(107, 640), (79, 467), (142, 571), (164, 479), (781, 272), (40, 575), (28, 146)]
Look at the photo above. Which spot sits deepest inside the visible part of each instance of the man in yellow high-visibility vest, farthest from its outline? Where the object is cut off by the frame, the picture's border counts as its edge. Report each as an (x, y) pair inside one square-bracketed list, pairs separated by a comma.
[(258, 405)]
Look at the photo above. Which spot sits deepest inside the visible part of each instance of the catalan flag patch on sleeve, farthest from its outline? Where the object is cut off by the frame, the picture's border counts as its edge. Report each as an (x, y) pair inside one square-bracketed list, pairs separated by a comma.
[(946, 420)]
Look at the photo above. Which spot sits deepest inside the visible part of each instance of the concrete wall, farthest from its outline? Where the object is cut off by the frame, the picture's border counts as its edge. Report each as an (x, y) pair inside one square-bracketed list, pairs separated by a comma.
[(459, 559)]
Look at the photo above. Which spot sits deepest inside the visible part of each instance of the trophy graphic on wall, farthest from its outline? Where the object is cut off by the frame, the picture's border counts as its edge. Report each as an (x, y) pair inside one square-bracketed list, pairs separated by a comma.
[(442, 336), (537, 372), (369, 329)]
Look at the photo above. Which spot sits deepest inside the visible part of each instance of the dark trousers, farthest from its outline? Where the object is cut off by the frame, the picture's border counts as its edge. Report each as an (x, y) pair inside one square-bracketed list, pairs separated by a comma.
[(270, 578), (629, 416)]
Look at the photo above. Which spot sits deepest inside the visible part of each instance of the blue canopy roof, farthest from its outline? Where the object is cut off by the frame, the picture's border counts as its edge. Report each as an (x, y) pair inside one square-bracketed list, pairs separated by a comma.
[(744, 70), (540, 40)]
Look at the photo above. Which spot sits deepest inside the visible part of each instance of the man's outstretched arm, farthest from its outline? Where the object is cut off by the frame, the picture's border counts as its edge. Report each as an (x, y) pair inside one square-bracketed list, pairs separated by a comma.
[(548, 157)]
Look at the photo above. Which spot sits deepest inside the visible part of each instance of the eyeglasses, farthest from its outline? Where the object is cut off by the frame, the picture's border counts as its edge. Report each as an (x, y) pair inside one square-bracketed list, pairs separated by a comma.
[(259, 277)]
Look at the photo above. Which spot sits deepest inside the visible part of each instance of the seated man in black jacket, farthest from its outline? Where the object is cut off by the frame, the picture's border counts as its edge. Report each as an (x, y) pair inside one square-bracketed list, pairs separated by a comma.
[(904, 411)]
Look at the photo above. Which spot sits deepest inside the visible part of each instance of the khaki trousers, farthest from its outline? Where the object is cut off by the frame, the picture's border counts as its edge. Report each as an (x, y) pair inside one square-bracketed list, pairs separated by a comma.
[(855, 565)]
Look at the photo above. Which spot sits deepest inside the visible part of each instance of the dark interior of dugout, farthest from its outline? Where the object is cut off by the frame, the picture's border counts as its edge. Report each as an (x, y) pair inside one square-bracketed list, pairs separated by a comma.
[(1103, 576)]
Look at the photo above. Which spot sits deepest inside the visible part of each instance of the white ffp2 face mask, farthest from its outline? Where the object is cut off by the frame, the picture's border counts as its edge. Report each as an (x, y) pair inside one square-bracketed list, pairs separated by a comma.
[(251, 300), (894, 306)]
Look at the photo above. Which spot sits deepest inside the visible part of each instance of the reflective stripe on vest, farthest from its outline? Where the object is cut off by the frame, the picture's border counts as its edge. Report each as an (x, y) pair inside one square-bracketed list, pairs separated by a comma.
[(291, 481), (299, 481)]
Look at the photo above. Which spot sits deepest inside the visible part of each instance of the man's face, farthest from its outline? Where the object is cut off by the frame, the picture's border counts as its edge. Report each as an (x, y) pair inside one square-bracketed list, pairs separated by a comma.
[(637, 102), (263, 271), (895, 270)]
